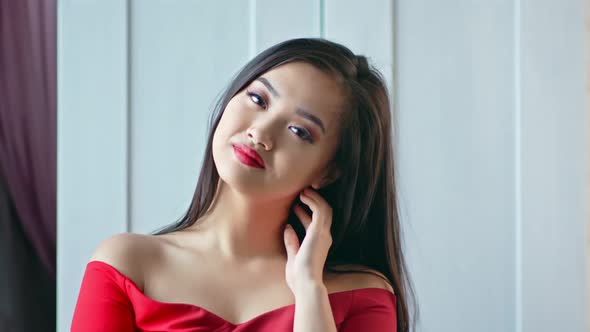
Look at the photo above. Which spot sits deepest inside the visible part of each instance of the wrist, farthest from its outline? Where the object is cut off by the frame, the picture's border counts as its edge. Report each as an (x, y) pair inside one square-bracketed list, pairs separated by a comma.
[(310, 288)]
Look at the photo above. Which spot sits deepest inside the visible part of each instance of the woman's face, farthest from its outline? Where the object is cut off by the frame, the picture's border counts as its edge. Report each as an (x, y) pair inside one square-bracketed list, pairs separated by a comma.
[(290, 116)]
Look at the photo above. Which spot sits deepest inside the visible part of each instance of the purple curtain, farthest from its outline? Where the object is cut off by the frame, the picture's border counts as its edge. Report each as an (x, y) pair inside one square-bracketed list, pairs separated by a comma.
[(27, 164), (28, 118)]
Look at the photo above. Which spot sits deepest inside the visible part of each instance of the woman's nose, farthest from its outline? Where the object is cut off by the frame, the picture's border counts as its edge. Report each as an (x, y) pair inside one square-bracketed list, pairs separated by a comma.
[(261, 133)]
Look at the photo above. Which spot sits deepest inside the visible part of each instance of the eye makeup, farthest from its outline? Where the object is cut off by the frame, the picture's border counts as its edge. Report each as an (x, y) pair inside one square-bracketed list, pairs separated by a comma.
[(259, 98)]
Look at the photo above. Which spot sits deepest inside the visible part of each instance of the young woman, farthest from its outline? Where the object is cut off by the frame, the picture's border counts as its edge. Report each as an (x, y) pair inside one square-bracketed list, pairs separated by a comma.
[(294, 223)]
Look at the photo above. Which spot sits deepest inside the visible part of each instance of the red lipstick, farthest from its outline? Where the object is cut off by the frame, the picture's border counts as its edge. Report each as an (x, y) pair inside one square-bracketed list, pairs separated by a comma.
[(248, 155)]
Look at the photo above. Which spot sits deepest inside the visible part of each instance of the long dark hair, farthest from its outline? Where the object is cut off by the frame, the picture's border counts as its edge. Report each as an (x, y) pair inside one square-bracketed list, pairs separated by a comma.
[(366, 230)]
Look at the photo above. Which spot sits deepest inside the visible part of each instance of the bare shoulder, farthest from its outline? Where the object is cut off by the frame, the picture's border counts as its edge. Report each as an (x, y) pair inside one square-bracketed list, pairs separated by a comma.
[(358, 276), (127, 252)]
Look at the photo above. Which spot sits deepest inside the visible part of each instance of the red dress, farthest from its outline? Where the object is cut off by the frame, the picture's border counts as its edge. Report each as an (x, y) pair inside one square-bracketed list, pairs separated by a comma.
[(110, 301)]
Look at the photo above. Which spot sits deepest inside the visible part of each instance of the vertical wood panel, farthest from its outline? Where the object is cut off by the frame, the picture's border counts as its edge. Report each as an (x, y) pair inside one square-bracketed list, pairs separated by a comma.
[(587, 252), (277, 21), (366, 27), (183, 55), (92, 138), (554, 165), (455, 160)]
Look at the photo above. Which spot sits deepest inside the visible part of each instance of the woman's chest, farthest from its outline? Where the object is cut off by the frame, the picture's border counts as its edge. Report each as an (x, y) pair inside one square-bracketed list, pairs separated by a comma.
[(234, 294)]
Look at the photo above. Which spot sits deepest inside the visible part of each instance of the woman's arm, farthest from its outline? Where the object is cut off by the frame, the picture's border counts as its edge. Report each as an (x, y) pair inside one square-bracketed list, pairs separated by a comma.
[(102, 304), (305, 264), (312, 310)]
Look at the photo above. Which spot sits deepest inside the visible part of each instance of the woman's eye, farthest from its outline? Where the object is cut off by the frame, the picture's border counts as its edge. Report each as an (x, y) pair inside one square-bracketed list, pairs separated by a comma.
[(257, 99), (305, 135)]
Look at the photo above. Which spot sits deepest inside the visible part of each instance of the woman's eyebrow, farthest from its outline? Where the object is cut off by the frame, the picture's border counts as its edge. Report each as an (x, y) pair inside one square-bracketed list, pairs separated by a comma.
[(311, 118), (301, 112), (269, 86)]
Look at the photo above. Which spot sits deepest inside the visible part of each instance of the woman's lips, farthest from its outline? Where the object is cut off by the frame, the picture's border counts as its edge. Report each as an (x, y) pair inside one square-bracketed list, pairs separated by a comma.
[(248, 156)]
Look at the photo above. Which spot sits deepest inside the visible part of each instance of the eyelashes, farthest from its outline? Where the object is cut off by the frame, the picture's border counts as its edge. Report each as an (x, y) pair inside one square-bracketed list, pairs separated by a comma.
[(259, 100)]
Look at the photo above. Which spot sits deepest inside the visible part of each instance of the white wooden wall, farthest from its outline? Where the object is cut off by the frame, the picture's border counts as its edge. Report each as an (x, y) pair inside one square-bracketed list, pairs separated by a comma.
[(489, 101)]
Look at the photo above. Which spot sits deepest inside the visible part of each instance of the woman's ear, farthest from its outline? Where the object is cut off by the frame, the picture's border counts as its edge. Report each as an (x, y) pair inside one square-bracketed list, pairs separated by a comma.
[(330, 175)]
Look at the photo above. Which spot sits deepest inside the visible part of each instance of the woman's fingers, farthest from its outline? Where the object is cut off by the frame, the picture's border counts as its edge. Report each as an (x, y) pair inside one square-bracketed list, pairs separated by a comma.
[(303, 216), (318, 205)]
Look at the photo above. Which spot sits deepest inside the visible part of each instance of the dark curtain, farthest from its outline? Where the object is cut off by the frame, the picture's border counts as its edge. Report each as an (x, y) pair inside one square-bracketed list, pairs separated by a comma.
[(27, 296), (27, 164)]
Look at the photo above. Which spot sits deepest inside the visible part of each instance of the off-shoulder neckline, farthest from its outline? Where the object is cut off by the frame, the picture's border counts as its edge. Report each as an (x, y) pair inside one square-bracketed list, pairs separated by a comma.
[(136, 288)]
